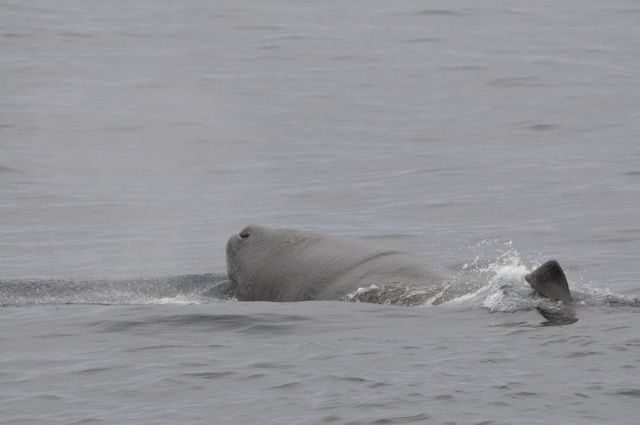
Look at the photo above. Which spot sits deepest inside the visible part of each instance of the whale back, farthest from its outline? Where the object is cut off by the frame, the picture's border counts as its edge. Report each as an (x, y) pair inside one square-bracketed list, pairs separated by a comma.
[(290, 265)]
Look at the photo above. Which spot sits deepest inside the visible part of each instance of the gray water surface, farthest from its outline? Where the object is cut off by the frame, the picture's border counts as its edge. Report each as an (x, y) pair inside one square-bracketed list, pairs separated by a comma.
[(136, 137)]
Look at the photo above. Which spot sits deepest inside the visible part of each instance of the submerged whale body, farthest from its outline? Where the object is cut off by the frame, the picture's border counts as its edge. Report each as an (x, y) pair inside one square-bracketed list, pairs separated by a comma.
[(266, 264)]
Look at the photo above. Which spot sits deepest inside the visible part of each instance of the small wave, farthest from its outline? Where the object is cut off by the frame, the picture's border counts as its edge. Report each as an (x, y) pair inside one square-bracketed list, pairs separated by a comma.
[(589, 295), (186, 289)]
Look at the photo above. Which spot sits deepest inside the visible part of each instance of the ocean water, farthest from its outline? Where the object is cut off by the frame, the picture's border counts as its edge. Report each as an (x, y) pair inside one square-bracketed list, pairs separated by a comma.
[(136, 137)]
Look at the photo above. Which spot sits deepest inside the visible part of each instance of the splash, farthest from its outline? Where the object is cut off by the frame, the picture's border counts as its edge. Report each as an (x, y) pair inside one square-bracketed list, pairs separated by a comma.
[(498, 285), (501, 287), (186, 289)]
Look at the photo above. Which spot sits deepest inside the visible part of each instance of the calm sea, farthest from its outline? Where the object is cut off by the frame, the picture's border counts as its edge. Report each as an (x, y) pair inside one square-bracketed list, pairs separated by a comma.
[(137, 136)]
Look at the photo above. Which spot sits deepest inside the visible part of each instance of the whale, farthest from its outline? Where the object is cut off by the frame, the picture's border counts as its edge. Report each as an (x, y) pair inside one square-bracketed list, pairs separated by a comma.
[(285, 265)]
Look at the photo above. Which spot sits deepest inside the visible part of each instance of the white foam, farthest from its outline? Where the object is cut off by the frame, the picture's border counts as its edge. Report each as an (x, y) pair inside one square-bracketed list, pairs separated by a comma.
[(358, 293), (500, 283), (179, 299)]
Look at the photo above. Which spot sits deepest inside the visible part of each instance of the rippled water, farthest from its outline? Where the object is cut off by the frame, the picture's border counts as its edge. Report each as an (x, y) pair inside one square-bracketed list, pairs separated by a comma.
[(314, 362), (136, 137)]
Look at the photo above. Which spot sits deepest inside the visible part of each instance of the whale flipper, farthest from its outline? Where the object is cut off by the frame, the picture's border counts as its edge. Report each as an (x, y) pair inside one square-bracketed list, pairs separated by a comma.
[(550, 282)]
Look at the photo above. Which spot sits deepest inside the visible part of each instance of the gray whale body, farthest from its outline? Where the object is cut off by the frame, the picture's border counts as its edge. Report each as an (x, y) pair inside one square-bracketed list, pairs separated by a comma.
[(267, 264)]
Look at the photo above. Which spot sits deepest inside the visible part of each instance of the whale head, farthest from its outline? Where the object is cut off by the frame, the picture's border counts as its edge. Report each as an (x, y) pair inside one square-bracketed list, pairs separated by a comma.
[(258, 260), (242, 247)]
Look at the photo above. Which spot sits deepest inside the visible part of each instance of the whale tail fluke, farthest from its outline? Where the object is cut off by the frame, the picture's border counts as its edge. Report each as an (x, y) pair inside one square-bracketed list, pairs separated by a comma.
[(550, 282)]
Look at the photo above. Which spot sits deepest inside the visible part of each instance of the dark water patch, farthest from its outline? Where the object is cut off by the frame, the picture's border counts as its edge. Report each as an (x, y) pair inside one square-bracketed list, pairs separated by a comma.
[(633, 173), (291, 37), (5, 169), (129, 392), (118, 326), (444, 397), (581, 395), (513, 325), (75, 34), (129, 34), (17, 7), (331, 419), (628, 392), (195, 364), (629, 10), (270, 365), (14, 35), (587, 341), (617, 328), (49, 397), (258, 28), (208, 375), (521, 394), (95, 370), (494, 360), (342, 58), (372, 405), (322, 357), (499, 404), (461, 68), (196, 320), (270, 47), (619, 348), (555, 341), (87, 421), (55, 335), (619, 239), (378, 385), (440, 12), (517, 332), (421, 417), (122, 128), (226, 320), (188, 124), (424, 40), (515, 82), (356, 379), (543, 127), (255, 376), (152, 347), (581, 354), (268, 330), (287, 386)]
